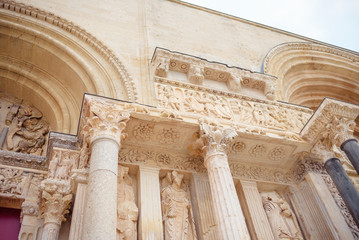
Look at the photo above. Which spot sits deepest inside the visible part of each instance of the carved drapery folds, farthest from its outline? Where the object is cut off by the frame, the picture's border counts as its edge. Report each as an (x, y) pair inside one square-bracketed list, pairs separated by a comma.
[(24, 129), (104, 119), (127, 210), (177, 212), (247, 113), (281, 218)]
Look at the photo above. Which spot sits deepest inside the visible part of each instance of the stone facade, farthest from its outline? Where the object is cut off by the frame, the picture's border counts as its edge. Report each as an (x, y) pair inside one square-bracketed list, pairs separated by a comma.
[(163, 120)]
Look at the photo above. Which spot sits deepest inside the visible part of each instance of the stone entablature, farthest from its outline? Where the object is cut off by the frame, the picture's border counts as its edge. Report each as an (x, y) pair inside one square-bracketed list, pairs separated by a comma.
[(200, 72)]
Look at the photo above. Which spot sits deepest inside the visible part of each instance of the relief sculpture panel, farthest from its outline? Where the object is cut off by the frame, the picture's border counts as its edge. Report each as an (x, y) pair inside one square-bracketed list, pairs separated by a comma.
[(177, 211), (281, 218), (231, 108), (23, 128), (127, 211)]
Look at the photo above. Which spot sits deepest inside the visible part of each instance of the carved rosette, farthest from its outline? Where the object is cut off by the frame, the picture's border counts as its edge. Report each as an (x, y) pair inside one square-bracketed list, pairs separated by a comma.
[(104, 120), (215, 139)]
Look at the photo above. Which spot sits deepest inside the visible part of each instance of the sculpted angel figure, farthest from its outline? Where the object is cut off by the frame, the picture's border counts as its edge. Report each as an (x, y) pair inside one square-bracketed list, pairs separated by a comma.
[(281, 218), (176, 210), (127, 211)]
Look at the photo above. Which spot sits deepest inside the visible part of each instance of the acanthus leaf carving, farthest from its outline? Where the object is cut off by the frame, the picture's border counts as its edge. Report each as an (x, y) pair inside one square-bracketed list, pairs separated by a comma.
[(104, 119), (216, 139)]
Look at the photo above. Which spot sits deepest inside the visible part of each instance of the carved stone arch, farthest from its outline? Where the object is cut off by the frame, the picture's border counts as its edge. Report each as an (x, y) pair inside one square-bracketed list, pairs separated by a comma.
[(308, 72), (51, 63)]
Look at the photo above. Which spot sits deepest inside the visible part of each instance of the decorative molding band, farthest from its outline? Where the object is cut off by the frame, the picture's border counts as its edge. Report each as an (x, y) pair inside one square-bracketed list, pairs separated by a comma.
[(183, 162), (81, 34), (199, 70), (23, 160), (302, 46)]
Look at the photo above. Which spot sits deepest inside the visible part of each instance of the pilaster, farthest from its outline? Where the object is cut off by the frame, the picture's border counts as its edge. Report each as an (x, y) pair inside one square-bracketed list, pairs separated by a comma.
[(150, 221)]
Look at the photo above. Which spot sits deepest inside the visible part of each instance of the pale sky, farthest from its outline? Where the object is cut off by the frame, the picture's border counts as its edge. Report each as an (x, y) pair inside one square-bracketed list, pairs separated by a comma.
[(330, 21)]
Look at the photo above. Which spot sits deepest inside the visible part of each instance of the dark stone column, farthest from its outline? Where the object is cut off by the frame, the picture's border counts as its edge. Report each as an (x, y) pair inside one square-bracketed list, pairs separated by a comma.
[(351, 149), (345, 186)]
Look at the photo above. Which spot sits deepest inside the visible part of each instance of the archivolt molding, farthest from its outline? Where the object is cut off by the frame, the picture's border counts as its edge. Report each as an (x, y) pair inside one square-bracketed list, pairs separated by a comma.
[(80, 33), (307, 73)]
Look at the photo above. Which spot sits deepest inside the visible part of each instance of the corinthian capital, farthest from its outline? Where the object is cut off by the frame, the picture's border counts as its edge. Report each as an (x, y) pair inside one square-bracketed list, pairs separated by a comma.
[(215, 139), (54, 206), (341, 129), (104, 119)]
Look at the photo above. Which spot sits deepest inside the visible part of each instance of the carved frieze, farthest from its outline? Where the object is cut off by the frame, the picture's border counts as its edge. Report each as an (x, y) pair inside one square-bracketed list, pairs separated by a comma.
[(255, 172), (12, 181), (132, 154), (23, 128), (231, 108)]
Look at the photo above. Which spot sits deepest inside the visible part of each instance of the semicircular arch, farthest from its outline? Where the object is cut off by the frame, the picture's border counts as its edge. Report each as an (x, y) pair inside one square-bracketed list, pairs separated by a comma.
[(308, 72), (51, 63)]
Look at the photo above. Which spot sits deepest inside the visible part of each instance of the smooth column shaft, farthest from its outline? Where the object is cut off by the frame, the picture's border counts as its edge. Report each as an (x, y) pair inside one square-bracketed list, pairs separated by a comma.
[(101, 207), (351, 149), (227, 210), (345, 186)]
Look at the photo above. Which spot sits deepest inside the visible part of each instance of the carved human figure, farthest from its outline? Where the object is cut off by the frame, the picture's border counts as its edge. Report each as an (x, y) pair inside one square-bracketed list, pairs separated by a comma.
[(281, 218), (53, 165), (176, 210), (64, 167), (127, 211)]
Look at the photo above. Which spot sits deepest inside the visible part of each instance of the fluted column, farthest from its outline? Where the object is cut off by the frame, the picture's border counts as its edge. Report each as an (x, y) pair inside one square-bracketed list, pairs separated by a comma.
[(250, 196), (103, 131), (228, 212)]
